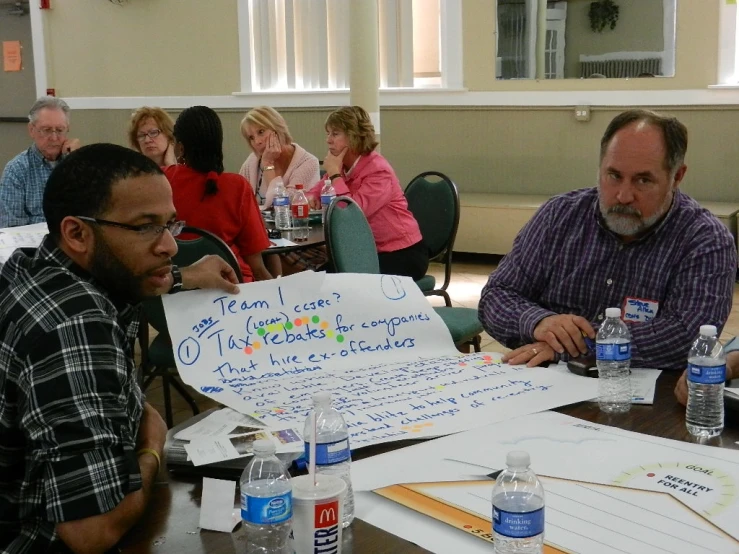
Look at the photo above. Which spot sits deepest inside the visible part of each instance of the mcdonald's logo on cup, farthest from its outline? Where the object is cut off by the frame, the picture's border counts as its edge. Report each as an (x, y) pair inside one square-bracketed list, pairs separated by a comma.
[(327, 515), (317, 514), (326, 533)]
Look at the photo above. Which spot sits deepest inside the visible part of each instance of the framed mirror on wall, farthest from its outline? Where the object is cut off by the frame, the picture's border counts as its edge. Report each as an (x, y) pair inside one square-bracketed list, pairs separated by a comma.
[(580, 39)]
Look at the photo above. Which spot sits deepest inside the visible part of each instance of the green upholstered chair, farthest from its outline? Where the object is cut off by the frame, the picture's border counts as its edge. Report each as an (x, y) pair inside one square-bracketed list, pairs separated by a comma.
[(157, 358), (351, 249), (434, 202)]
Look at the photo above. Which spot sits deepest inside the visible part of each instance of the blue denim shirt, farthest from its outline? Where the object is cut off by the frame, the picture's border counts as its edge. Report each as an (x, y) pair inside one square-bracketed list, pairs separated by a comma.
[(22, 188)]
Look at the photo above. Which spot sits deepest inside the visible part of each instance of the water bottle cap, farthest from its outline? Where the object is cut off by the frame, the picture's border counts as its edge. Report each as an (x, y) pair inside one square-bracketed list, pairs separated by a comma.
[(613, 312), (708, 330), (323, 397), (263, 446), (518, 458)]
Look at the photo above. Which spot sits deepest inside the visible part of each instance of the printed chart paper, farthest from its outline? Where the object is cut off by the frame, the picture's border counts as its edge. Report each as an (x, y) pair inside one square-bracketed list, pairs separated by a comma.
[(373, 341), (607, 490)]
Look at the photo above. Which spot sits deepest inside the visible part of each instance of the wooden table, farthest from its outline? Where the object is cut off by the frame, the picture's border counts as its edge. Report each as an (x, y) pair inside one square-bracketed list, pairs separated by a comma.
[(171, 522), (315, 238)]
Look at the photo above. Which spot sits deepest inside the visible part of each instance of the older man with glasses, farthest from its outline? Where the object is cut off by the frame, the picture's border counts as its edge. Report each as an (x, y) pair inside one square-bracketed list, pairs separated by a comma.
[(24, 179)]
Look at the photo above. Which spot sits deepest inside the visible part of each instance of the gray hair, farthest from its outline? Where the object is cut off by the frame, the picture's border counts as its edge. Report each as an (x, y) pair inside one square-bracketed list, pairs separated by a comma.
[(50, 102)]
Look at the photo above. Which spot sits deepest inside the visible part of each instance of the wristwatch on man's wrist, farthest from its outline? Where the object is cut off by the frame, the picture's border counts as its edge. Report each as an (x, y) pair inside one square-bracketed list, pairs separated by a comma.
[(176, 280)]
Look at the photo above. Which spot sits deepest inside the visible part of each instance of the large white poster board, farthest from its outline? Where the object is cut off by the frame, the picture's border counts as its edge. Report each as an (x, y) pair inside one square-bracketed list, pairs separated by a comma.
[(607, 490), (373, 341)]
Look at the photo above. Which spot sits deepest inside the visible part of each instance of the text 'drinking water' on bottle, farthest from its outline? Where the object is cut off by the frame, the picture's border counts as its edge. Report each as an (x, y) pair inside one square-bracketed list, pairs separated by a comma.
[(518, 508)]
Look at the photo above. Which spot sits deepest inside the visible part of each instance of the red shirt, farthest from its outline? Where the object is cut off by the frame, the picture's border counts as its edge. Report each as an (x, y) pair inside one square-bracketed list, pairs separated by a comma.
[(231, 213)]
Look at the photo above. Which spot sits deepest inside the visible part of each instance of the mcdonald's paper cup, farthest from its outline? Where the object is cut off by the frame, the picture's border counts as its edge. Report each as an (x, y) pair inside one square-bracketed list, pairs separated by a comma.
[(317, 514)]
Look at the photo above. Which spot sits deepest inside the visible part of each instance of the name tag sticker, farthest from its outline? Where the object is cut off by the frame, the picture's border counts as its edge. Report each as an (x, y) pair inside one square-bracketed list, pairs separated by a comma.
[(639, 310)]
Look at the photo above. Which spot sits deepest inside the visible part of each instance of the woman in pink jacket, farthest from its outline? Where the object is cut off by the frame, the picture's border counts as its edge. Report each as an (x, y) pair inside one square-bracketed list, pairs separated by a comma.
[(357, 171)]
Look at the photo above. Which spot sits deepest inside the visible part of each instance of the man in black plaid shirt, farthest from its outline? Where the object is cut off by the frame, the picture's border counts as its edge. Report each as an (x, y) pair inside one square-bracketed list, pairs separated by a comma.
[(79, 447)]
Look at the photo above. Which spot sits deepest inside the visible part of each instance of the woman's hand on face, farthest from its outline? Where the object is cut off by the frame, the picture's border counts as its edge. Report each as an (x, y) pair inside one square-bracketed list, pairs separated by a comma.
[(333, 164), (272, 151)]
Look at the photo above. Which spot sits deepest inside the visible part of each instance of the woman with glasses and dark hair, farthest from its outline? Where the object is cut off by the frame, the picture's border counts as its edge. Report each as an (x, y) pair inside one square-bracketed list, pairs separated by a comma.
[(150, 132), (207, 197)]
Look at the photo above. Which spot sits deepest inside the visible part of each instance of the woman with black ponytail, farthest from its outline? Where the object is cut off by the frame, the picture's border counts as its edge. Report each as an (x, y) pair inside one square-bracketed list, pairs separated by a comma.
[(207, 197)]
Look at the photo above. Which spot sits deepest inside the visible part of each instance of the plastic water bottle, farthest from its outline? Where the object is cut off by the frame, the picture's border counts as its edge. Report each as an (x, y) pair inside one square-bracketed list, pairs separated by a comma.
[(328, 193), (518, 508), (300, 214), (333, 456), (706, 375), (281, 205), (613, 356), (266, 502)]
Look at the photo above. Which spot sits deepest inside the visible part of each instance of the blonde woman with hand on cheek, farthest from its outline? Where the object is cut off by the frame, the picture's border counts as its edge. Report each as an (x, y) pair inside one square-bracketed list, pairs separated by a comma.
[(274, 154)]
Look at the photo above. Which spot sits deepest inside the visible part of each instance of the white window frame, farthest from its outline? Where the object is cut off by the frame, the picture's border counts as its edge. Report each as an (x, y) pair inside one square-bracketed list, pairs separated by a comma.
[(728, 60), (450, 40)]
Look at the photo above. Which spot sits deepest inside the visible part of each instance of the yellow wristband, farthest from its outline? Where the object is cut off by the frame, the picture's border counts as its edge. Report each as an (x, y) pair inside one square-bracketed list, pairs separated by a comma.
[(153, 453)]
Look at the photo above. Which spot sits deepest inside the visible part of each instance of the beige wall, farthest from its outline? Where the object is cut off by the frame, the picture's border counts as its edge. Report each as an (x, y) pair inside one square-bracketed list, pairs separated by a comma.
[(639, 29), (102, 49), (190, 47), (143, 47)]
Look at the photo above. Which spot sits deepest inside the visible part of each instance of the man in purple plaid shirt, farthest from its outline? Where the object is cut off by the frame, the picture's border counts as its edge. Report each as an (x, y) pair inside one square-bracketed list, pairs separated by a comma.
[(635, 242)]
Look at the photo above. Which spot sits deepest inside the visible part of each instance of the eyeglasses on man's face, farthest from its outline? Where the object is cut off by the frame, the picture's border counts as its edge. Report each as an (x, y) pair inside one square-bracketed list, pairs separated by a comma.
[(47, 132), (147, 230), (152, 134)]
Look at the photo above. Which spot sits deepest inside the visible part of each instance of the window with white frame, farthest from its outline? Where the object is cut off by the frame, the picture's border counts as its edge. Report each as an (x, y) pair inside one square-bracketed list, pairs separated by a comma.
[(728, 69), (300, 45)]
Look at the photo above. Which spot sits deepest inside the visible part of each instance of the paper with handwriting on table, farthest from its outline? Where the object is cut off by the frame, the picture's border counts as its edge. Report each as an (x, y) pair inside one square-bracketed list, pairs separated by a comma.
[(373, 341)]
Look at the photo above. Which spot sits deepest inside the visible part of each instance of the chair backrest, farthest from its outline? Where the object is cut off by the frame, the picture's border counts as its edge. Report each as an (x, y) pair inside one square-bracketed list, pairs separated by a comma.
[(189, 252), (349, 241), (433, 200)]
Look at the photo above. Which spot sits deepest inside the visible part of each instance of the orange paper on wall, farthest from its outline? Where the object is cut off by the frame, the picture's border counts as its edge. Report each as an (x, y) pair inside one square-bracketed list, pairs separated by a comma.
[(12, 55)]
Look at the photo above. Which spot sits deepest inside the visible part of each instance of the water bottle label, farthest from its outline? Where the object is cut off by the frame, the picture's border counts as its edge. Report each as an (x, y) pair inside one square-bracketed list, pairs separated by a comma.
[(613, 352), (326, 200), (281, 201), (519, 525), (275, 509), (707, 375), (301, 211), (329, 453)]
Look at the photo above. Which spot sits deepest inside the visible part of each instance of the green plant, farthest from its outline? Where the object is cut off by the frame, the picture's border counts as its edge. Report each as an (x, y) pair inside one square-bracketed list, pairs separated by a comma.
[(602, 14)]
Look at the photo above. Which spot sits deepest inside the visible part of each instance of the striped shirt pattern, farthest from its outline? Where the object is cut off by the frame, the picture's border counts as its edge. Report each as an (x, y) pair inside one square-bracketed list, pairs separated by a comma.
[(565, 261), (70, 405), (22, 188)]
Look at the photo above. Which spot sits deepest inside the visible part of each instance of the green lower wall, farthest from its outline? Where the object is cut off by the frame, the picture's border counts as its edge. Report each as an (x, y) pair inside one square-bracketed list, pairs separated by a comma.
[(486, 149)]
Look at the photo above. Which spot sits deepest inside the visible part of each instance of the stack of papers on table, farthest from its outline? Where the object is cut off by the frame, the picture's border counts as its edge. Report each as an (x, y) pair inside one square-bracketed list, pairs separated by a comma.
[(225, 437)]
